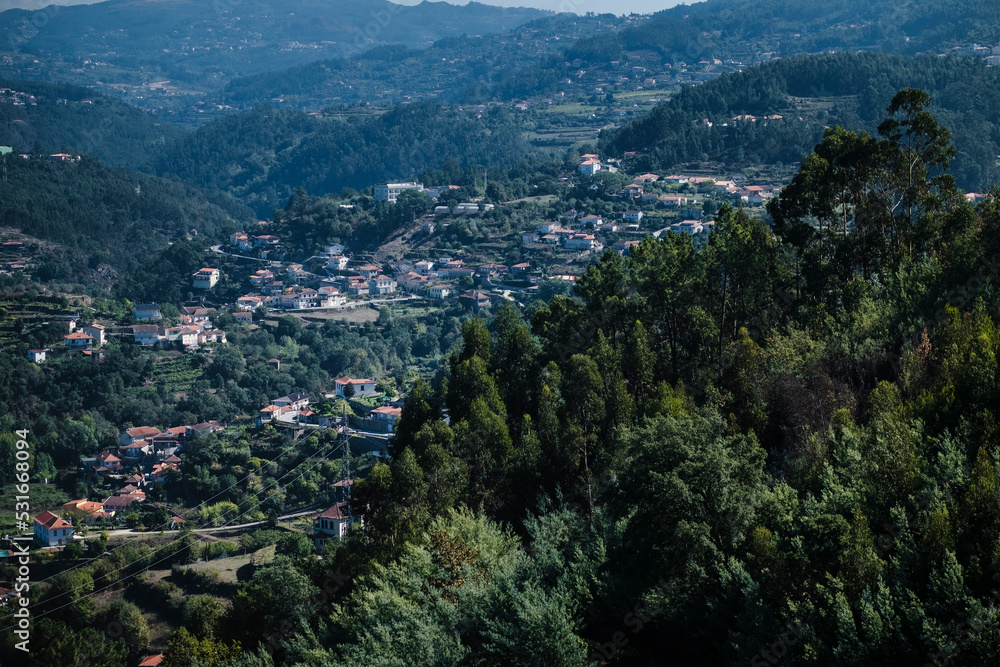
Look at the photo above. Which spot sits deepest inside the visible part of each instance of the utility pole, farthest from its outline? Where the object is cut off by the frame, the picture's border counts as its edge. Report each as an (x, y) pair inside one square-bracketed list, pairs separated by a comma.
[(345, 476)]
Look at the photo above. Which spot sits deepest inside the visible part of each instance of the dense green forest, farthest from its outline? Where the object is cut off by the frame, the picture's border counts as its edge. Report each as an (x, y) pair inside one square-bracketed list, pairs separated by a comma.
[(263, 156), (73, 119), (107, 215), (744, 29), (780, 444), (464, 68), (810, 93)]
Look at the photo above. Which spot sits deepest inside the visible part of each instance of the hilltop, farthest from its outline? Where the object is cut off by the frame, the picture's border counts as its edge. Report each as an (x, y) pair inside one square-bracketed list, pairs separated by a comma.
[(73, 119), (752, 30), (777, 112), (264, 155)]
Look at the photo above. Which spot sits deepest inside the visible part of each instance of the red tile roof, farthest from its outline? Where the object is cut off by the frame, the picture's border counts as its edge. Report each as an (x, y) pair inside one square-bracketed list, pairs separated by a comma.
[(51, 521), (338, 511)]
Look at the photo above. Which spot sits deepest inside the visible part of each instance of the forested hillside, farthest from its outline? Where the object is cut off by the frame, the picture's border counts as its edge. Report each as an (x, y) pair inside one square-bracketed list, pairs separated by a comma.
[(263, 156), (780, 443), (746, 29), (810, 93), (766, 446), (463, 68), (66, 118), (108, 215), (192, 47)]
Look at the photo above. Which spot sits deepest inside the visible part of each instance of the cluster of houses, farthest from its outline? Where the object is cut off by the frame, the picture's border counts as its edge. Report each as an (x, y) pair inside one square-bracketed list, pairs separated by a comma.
[(591, 163), (305, 290), (194, 328), (390, 192), (246, 242), (10, 251), (294, 409), (145, 456), (750, 195), (571, 239)]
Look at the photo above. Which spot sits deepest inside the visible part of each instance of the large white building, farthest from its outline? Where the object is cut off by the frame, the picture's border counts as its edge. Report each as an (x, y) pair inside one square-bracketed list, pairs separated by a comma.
[(390, 191), (205, 278)]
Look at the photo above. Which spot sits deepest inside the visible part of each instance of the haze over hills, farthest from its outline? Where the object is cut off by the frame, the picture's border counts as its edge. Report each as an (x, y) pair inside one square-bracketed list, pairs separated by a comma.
[(596, 50), (163, 49), (746, 29)]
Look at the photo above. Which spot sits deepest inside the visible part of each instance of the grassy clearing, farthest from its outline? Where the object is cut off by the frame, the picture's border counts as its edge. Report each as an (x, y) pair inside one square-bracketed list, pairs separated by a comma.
[(42, 497), (358, 315), (228, 567)]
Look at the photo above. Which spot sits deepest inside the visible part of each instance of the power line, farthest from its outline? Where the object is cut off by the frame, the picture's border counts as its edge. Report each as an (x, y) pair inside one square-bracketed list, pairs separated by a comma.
[(333, 446), (134, 574), (187, 513)]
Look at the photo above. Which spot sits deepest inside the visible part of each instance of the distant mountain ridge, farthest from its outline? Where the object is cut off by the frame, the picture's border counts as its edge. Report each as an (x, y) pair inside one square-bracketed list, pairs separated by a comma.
[(747, 29), (148, 48), (260, 33)]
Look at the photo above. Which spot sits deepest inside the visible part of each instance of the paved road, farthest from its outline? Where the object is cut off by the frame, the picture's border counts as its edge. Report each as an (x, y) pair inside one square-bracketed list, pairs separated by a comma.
[(219, 529), (217, 249)]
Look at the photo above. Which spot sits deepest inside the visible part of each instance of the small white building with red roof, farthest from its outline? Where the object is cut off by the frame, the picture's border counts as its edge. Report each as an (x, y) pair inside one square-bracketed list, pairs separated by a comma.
[(51, 531)]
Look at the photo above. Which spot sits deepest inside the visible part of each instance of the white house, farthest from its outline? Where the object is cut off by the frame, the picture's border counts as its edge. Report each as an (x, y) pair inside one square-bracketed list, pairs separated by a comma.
[(293, 401), (386, 417), (362, 387), (146, 334), (187, 335), (51, 531), (147, 312), (36, 356), (337, 263), (205, 278), (581, 242), (691, 227), (633, 216), (136, 434), (78, 341), (383, 285), (248, 302), (390, 191), (334, 249), (96, 331), (332, 524), (530, 237), (439, 291), (590, 167), (261, 277)]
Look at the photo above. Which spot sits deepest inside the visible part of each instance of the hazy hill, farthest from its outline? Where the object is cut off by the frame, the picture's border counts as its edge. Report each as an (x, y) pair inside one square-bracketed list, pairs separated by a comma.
[(809, 93), (158, 49), (264, 155), (61, 117), (463, 67), (746, 29), (109, 215)]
